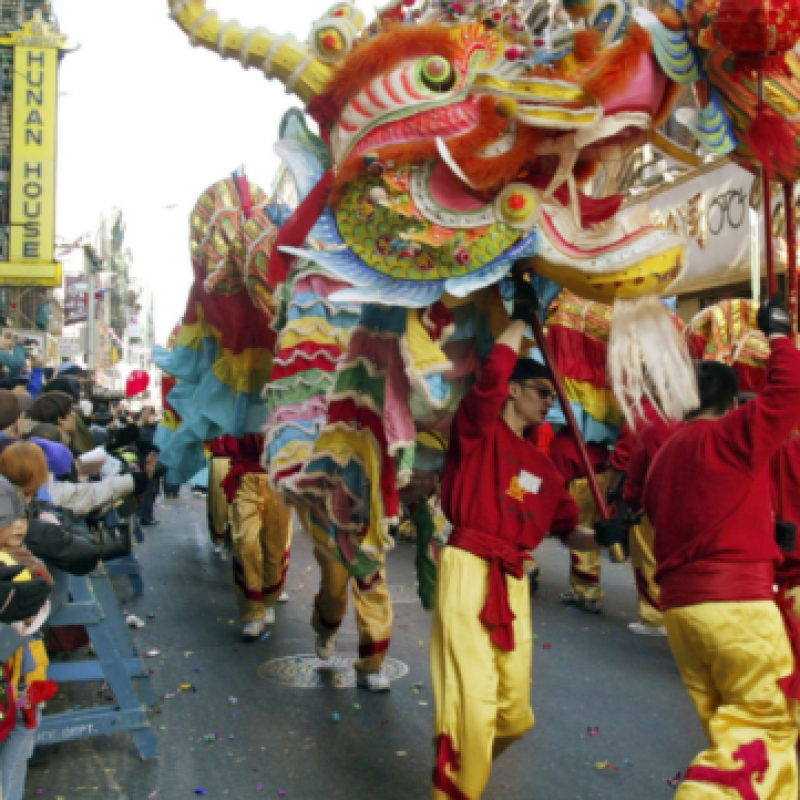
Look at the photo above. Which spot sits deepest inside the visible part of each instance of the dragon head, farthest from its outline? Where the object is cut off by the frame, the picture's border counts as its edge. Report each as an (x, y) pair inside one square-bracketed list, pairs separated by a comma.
[(460, 134)]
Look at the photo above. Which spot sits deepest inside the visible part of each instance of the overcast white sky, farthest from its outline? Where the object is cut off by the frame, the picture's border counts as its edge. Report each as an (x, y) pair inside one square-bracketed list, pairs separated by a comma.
[(146, 121)]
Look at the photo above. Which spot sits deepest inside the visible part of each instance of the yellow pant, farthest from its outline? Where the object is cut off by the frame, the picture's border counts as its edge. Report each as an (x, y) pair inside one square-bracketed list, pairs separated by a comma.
[(261, 531), (482, 694), (585, 567), (642, 540), (794, 593), (216, 502), (731, 656), (373, 606)]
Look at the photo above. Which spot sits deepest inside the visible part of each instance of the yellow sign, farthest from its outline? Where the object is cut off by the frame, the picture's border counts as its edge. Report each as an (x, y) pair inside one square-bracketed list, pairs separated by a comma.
[(33, 157)]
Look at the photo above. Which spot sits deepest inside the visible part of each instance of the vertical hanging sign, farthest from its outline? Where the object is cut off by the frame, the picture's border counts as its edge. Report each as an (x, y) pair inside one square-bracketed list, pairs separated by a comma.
[(33, 157)]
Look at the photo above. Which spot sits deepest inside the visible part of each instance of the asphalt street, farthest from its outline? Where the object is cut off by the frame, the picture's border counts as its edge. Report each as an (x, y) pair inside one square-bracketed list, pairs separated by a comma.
[(613, 721)]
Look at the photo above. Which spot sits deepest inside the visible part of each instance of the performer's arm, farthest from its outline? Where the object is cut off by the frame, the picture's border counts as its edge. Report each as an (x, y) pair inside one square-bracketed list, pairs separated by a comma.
[(483, 404), (620, 458), (752, 434), (637, 474)]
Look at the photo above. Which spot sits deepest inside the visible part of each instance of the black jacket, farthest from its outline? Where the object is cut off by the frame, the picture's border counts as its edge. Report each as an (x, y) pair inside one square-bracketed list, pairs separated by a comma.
[(75, 553)]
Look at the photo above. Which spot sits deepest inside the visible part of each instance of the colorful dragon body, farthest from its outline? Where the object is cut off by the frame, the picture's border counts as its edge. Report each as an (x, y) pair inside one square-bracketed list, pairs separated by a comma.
[(455, 138), (458, 143), (222, 355), (689, 52)]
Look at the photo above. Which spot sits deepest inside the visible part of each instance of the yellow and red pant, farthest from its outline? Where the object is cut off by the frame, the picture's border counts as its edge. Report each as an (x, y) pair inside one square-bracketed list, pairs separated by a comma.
[(642, 538), (373, 607), (793, 592), (585, 567), (261, 532), (216, 502), (482, 694), (731, 656)]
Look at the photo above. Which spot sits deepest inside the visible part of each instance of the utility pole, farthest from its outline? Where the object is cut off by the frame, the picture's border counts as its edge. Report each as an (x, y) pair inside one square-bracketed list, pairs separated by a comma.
[(89, 267)]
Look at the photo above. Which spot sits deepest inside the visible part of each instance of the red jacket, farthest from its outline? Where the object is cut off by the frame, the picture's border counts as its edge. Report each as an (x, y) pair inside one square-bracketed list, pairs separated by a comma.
[(788, 573), (650, 441), (542, 437), (487, 462), (565, 456), (628, 437), (708, 490)]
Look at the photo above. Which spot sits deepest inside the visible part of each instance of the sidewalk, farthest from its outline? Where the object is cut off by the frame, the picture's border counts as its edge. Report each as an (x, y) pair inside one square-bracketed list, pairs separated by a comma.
[(243, 734)]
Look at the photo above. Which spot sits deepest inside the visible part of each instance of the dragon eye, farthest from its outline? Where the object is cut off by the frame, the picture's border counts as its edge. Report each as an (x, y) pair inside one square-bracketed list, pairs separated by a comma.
[(437, 74)]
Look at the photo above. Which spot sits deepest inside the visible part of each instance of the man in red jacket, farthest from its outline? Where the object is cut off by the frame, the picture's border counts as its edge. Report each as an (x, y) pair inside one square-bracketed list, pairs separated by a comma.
[(502, 496), (708, 496), (654, 432), (585, 566)]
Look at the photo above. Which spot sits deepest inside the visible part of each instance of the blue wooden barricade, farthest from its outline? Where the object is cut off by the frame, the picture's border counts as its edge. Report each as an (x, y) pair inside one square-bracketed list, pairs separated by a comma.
[(94, 604), (128, 565)]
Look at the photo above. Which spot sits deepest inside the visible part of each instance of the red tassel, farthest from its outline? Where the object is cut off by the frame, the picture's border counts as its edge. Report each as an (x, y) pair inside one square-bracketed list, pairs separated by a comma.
[(771, 139)]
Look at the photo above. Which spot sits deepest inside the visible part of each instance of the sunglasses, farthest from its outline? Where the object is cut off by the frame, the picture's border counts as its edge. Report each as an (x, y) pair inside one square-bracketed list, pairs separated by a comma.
[(545, 394)]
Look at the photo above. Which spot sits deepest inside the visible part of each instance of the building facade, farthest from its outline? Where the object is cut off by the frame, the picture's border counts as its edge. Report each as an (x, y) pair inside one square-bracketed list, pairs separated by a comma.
[(21, 307)]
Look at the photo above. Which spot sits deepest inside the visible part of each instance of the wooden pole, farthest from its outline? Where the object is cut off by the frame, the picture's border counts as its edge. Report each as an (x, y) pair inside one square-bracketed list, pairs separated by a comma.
[(765, 177), (617, 551), (791, 251)]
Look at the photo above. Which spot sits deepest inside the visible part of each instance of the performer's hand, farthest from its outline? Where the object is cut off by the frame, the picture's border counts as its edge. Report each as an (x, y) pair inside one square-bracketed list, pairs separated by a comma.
[(785, 535), (608, 532), (773, 318), (526, 301)]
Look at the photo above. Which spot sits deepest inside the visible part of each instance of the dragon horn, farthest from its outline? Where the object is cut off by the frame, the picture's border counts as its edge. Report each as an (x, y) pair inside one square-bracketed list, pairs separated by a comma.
[(294, 64)]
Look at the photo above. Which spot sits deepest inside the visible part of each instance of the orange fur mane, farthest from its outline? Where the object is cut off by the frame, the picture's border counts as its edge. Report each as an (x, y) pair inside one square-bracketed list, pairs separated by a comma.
[(614, 73)]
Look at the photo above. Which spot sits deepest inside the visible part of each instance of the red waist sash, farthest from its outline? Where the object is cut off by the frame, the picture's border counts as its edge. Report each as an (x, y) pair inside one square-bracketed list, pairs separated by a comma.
[(504, 559), (717, 582), (731, 582), (239, 468)]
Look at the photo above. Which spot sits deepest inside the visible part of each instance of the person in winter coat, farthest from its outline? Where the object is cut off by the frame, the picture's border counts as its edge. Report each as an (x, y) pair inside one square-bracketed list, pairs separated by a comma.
[(59, 458), (83, 498), (58, 540), (24, 676)]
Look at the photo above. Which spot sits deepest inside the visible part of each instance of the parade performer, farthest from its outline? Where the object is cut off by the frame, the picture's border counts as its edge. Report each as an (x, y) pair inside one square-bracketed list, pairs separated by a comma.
[(502, 496), (261, 533), (639, 451), (585, 566), (708, 496), (786, 484), (216, 502), (374, 616)]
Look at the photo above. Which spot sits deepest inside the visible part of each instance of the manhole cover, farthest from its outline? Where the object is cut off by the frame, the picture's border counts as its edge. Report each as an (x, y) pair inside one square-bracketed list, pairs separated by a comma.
[(308, 672)]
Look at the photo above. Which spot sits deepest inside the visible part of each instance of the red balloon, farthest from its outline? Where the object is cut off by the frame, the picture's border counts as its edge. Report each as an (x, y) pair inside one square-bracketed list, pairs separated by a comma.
[(137, 382)]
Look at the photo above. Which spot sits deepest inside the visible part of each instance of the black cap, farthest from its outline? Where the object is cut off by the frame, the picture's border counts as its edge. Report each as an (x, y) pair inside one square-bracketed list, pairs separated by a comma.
[(527, 368)]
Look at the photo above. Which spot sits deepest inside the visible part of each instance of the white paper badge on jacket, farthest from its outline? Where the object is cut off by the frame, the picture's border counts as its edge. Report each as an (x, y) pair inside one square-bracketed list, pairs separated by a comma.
[(529, 483)]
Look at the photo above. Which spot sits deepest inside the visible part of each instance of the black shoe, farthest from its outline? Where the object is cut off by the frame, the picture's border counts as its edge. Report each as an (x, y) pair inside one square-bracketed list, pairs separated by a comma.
[(148, 522)]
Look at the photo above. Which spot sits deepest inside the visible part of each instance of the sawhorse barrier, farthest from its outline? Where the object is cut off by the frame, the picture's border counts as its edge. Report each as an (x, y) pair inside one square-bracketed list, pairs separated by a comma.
[(90, 601), (129, 566)]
